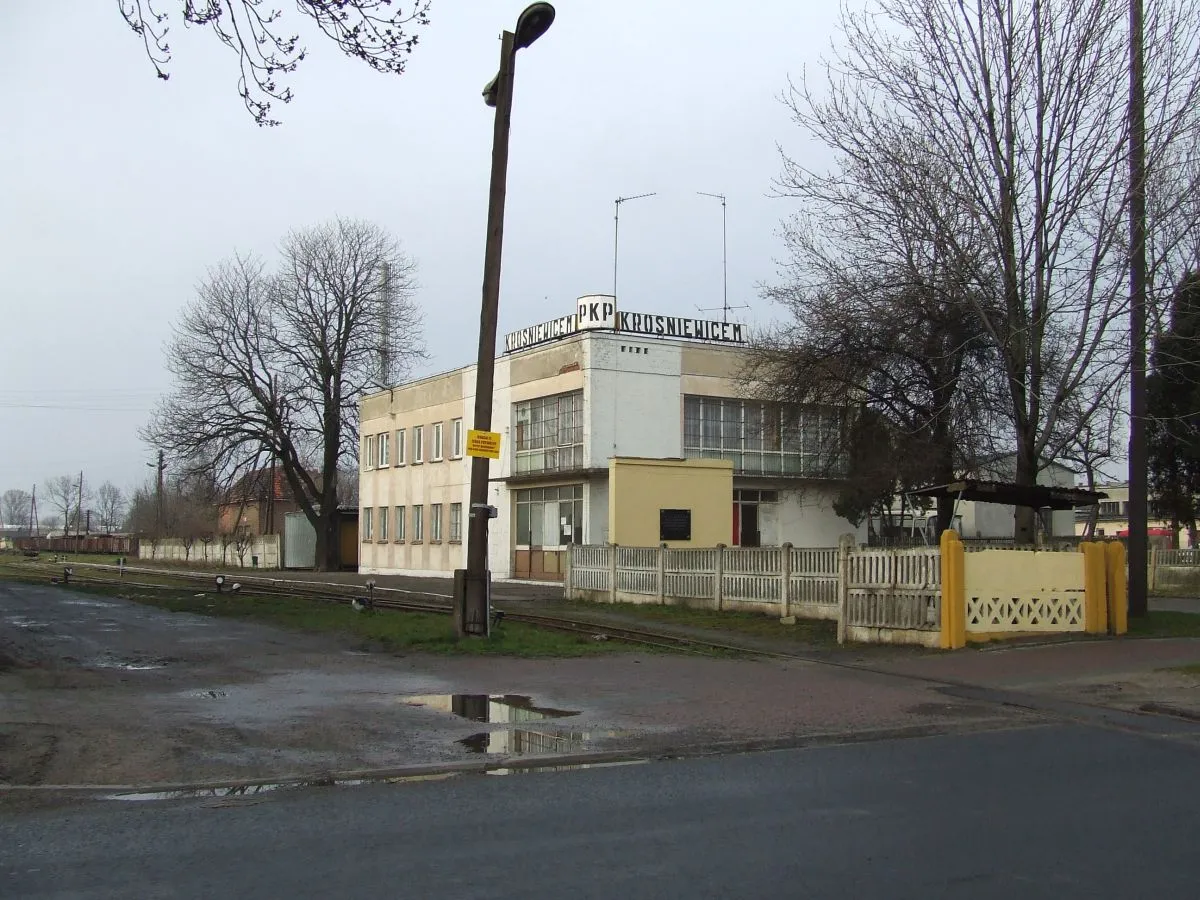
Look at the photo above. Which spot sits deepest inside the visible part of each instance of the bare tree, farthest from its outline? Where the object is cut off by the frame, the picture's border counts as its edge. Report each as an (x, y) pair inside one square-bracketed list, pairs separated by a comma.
[(373, 31), (14, 508), (273, 366), (110, 504), (1025, 102), (878, 316), (63, 494)]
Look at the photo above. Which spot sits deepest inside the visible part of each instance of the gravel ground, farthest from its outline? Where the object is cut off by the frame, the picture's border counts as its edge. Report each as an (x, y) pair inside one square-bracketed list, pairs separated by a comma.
[(95, 690)]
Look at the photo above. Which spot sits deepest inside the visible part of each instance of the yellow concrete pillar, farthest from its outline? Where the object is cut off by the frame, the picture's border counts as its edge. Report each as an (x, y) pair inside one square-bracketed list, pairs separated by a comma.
[(1095, 588), (1118, 587), (954, 598)]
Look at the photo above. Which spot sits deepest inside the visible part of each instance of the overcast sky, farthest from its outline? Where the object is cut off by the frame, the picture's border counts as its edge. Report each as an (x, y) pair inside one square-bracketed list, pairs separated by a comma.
[(117, 190)]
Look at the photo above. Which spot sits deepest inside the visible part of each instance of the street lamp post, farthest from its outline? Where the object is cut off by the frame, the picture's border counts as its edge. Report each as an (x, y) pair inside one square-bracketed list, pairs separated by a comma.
[(471, 586)]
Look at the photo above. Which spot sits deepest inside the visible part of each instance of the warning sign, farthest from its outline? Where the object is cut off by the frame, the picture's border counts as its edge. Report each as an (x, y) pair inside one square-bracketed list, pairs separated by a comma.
[(483, 443)]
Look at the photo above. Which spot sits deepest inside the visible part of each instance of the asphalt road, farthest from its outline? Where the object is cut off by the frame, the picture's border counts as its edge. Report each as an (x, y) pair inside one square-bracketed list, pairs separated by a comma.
[(1053, 811)]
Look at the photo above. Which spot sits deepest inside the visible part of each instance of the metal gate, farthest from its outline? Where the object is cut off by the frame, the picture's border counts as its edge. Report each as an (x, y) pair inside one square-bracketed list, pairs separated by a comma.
[(299, 542)]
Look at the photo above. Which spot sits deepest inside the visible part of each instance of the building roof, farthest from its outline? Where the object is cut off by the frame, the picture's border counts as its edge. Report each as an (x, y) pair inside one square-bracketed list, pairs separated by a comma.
[(1037, 496)]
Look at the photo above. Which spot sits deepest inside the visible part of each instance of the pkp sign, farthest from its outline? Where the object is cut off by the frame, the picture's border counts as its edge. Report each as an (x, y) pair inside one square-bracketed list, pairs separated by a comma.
[(597, 311)]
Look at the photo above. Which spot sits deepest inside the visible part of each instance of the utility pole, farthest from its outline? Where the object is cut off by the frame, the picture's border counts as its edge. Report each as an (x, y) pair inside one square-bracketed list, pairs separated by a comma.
[(1138, 457), (158, 493), (78, 512), (34, 525)]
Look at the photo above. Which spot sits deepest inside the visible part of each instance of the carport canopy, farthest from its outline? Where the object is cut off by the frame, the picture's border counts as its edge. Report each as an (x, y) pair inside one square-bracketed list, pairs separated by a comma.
[(1037, 496)]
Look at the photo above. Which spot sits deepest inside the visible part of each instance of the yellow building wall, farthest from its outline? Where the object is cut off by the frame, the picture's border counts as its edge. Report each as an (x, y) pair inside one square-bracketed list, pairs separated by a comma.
[(639, 488)]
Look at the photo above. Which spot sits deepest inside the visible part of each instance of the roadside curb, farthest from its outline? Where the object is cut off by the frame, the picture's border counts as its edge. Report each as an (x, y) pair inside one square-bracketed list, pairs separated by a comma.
[(529, 763)]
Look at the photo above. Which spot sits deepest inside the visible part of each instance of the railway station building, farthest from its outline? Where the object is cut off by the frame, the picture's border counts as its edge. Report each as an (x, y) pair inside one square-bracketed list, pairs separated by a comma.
[(628, 428)]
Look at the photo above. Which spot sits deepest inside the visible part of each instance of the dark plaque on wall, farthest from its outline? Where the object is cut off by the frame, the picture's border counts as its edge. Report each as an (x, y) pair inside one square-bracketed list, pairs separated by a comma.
[(674, 524)]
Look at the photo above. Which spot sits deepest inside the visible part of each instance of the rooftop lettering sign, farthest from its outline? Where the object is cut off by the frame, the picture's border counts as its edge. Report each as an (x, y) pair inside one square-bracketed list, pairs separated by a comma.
[(599, 312)]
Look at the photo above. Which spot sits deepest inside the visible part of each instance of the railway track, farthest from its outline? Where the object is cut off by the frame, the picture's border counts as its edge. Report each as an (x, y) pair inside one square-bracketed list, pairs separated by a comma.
[(395, 599)]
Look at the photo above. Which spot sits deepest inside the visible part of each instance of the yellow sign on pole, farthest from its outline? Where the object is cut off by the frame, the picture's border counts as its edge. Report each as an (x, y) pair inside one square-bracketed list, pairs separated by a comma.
[(483, 443)]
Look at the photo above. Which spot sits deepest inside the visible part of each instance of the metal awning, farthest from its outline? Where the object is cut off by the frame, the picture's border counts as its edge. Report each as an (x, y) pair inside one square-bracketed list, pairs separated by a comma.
[(1037, 496)]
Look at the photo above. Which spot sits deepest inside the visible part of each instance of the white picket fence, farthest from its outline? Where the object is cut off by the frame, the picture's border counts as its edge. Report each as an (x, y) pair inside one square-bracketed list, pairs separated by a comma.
[(864, 589)]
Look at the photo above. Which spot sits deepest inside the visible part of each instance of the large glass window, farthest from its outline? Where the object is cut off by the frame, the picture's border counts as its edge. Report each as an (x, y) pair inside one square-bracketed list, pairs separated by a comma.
[(550, 517), (548, 433), (764, 438)]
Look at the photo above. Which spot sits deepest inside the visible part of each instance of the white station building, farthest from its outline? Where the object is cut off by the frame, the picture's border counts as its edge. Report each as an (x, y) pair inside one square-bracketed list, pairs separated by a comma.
[(570, 396)]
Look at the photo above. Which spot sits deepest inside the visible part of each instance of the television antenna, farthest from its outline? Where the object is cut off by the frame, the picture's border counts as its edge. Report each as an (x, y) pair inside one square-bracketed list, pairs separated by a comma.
[(724, 307), (617, 227)]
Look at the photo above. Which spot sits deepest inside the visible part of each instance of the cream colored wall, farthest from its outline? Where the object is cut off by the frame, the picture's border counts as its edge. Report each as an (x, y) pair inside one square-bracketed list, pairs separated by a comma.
[(403, 483), (639, 488)]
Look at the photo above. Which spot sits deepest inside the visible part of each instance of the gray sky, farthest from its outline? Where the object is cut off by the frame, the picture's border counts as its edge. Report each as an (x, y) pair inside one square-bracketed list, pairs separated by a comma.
[(117, 190)]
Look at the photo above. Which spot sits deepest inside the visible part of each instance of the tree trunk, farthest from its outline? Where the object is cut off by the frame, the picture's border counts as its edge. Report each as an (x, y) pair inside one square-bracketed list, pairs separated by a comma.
[(1025, 517)]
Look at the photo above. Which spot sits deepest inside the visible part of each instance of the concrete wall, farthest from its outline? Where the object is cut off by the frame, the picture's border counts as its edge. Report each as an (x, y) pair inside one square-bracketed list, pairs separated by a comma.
[(265, 547), (639, 488), (633, 406), (805, 518)]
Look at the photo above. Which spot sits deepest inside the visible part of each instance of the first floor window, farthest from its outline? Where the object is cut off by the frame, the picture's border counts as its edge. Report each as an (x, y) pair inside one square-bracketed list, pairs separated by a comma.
[(437, 440), (418, 447), (400, 523), (456, 520), (400, 459), (457, 446), (366, 522), (418, 523), (383, 450), (368, 451), (435, 522), (383, 523)]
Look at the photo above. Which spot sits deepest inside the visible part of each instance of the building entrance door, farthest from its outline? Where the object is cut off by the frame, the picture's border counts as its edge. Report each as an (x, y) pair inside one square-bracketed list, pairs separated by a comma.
[(548, 521)]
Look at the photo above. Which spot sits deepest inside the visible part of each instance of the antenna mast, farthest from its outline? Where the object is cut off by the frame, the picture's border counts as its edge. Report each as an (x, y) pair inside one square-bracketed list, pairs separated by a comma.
[(617, 230)]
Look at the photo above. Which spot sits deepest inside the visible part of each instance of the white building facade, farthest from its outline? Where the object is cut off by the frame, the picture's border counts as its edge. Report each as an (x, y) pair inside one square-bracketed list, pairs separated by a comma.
[(569, 396)]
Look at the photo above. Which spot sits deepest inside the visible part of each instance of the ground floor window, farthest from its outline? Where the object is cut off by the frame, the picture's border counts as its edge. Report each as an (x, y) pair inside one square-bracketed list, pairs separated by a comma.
[(383, 523), (435, 523), (456, 517), (418, 532), (549, 517)]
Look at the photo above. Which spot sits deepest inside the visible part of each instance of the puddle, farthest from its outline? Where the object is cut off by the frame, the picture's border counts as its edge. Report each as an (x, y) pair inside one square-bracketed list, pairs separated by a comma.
[(210, 695), (527, 742), (22, 622), (130, 665), (490, 708)]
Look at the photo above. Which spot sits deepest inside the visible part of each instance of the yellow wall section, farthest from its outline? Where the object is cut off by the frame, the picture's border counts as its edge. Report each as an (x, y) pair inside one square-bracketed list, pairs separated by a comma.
[(639, 488)]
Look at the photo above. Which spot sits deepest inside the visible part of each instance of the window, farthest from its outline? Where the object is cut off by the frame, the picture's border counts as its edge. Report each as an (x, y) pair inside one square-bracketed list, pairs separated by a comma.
[(399, 535), (548, 433), (550, 517), (383, 450), (436, 455), (418, 523), (368, 452), (764, 438), (418, 450), (456, 520), (383, 523), (365, 522), (400, 434), (435, 523), (456, 449)]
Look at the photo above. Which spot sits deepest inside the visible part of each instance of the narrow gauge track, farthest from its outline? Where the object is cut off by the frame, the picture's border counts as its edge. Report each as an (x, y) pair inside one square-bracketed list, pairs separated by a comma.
[(344, 593)]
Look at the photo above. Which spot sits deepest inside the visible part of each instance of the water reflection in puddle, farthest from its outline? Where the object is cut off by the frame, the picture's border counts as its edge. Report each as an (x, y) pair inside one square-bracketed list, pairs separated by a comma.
[(530, 770), (250, 790), (491, 708), (526, 742)]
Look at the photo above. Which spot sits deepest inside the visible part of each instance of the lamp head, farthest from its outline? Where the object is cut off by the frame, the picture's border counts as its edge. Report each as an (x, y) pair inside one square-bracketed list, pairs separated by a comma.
[(533, 23)]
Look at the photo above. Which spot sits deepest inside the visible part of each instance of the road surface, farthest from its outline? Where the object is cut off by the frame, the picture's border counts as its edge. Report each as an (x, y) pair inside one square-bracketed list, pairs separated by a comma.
[(1056, 811)]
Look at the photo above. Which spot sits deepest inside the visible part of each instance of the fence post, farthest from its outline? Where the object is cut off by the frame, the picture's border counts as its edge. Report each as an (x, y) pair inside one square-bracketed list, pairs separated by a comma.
[(845, 543), (785, 584), (1152, 575), (1118, 594), (954, 596), (612, 573), (568, 588), (662, 574), (1095, 601), (719, 578)]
